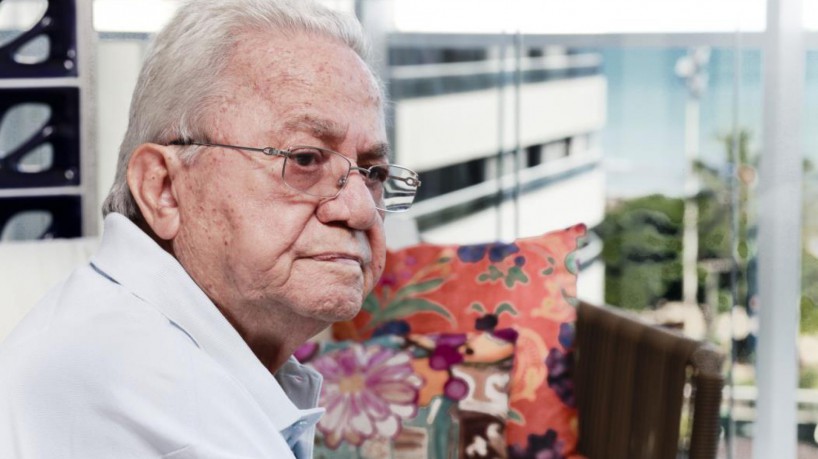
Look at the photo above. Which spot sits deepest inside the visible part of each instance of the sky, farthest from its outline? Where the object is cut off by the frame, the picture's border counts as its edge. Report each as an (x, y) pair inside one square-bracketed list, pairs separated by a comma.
[(495, 16), (488, 16), (581, 16)]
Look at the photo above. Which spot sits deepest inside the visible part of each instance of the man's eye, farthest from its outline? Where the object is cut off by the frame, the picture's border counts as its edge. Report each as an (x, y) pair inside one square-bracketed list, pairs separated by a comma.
[(307, 158), (378, 174)]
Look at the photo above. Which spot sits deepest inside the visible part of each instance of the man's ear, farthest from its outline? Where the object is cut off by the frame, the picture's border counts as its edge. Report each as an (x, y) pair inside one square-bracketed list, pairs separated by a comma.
[(151, 172)]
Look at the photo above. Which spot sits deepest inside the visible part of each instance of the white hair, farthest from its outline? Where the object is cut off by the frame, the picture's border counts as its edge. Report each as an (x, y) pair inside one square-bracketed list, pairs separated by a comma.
[(185, 70)]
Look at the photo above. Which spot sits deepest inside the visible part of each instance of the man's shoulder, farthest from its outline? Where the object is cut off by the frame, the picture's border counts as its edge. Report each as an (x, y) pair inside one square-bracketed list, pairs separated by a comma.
[(88, 325), (93, 360)]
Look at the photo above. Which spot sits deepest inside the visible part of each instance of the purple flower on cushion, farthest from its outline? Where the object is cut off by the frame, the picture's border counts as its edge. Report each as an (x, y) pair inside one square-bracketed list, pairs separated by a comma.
[(388, 280), (566, 336), (446, 353), (456, 388), (393, 327), (546, 446), (471, 253), (499, 251), (454, 340), (368, 391), (519, 261), (487, 322), (443, 357), (561, 375), (509, 335), (306, 351)]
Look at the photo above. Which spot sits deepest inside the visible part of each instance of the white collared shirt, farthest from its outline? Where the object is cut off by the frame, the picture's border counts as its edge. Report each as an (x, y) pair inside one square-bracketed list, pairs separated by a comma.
[(128, 358)]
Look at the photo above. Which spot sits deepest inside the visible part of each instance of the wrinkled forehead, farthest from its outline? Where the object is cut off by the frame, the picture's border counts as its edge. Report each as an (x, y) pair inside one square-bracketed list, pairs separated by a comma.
[(298, 60), (285, 76), (300, 89)]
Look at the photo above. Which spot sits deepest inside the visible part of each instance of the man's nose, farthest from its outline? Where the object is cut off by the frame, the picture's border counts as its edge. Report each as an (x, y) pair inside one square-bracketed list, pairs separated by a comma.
[(354, 205)]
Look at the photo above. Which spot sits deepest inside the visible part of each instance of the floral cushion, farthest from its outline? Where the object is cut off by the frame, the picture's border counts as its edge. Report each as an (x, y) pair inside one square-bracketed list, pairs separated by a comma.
[(527, 285), (419, 396)]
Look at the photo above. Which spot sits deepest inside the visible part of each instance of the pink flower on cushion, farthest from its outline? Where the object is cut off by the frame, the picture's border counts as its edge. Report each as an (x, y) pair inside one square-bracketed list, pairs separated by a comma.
[(388, 280), (368, 391)]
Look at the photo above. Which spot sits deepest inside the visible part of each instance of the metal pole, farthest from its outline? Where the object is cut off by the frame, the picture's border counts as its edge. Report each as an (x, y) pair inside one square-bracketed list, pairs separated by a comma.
[(779, 238), (690, 238), (87, 72), (692, 68), (734, 161), (501, 137), (518, 141)]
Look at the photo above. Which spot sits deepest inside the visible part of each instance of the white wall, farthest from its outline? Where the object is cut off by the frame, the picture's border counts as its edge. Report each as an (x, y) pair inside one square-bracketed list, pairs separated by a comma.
[(578, 199), (28, 269), (442, 130), (118, 64)]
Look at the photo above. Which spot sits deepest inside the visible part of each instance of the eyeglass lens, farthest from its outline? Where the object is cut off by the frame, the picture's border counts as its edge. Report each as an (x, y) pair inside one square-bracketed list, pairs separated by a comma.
[(324, 173)]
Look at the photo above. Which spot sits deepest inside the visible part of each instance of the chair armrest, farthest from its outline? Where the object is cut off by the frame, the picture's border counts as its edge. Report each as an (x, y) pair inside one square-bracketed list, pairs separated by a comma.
[(630, 378)]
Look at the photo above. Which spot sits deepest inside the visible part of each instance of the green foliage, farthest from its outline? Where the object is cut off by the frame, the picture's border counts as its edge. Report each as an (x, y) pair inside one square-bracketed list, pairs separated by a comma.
[(808, 378), (641, 252), (809, 294), (404, 303), (643, 248), (492, 275), (507, 308), (725, 300), (420, 287), (515, 274), (401, 308), (515, 416), (643, 237)]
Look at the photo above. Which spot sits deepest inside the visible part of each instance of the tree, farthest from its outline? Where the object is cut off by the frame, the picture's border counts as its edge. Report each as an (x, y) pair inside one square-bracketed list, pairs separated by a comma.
[(641, 252)]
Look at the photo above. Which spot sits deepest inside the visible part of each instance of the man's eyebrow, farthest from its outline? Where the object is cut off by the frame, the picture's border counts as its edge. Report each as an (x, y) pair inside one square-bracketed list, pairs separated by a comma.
[(320, 128), (331, 132), (379, 152)]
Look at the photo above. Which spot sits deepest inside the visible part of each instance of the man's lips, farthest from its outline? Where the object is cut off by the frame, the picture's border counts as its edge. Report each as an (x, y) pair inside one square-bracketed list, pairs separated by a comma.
[(344, 258)]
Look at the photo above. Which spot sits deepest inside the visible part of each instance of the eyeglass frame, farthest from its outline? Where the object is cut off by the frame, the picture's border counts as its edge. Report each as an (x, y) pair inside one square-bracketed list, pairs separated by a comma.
[(288, 152)]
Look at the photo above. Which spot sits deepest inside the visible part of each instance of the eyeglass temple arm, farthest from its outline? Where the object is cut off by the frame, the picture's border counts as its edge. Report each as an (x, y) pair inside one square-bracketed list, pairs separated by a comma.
[(269, 151), (411, 181)]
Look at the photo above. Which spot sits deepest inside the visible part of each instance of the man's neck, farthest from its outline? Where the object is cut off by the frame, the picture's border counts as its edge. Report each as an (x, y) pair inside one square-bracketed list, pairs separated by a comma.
[(274, 341)]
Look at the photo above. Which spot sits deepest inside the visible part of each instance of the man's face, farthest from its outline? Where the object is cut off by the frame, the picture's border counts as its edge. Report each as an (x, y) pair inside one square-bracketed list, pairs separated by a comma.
[(258, 248)]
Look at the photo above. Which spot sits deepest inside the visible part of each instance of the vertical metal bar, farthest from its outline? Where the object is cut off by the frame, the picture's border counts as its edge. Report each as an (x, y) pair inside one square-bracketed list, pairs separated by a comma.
[(733, 186), (779, 239), (690, 234), (518, 145), (501, 136), (378, 20), (86, 81)]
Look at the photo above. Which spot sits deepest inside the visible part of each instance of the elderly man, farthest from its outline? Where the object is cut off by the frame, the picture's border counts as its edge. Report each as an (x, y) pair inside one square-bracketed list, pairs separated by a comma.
[(246, 216)]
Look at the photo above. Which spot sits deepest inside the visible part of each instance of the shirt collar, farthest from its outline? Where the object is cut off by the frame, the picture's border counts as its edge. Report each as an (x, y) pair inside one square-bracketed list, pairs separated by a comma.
[(132, 259)]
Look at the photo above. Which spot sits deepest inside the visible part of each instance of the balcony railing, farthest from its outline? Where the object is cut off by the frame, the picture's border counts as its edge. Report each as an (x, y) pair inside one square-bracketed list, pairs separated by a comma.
[(424, 80)]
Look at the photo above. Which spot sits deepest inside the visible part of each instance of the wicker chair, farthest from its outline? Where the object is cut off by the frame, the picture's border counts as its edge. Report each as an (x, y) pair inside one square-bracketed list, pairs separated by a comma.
[(630, 383)]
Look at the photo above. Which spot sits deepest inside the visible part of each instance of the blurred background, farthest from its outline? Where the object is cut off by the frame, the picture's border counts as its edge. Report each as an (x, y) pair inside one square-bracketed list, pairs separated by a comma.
[(684, 133)]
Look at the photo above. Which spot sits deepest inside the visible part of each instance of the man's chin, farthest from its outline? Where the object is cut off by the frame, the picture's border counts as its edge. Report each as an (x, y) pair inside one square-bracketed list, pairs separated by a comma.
[(337, 309)]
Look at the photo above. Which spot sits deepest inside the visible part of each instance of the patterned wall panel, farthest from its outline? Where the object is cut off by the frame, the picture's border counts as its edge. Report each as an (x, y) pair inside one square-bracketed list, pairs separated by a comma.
[(46, 159), (59, 25), (34, 153), (41, 217)]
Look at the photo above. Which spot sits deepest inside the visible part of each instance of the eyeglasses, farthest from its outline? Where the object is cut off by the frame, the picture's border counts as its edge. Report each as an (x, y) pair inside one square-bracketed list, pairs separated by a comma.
[(324, 173)]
